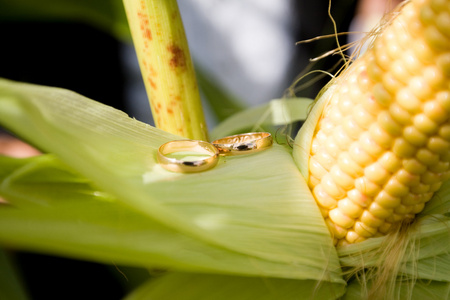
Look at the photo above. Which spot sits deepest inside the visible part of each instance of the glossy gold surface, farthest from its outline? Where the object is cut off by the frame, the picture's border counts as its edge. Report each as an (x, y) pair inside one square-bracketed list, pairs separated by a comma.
[(187, 166), (245, 143)]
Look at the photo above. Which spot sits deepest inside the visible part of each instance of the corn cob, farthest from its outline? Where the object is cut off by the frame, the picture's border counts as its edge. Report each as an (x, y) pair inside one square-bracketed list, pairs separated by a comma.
[(380, 148)]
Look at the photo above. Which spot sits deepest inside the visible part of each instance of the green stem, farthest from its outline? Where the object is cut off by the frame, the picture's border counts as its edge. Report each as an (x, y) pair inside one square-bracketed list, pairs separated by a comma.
[(166, 66)]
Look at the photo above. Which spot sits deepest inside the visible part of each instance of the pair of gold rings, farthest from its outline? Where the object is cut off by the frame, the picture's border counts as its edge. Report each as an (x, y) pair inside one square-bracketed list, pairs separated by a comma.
[(206, 155)]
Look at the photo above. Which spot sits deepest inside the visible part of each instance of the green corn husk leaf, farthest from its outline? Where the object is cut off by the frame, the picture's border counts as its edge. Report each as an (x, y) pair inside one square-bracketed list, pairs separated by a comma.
[(107, 15), (420, 291), (277, 112), (256, 207), (53, 209), (11, 287), (191, 286)]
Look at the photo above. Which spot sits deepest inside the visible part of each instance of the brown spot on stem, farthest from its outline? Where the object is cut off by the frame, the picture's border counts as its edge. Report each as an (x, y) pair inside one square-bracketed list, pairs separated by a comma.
[(148, 34), (152, 84), (144, 25), (170, 111), (153, 72), (178, 59), (176, 97)]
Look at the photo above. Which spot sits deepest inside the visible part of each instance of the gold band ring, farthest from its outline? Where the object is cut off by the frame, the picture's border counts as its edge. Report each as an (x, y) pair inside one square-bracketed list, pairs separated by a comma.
[(244, 143), (188, 166)]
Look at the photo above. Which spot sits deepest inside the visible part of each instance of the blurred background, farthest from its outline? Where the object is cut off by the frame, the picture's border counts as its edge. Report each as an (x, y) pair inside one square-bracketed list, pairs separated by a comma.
[(246, 47)]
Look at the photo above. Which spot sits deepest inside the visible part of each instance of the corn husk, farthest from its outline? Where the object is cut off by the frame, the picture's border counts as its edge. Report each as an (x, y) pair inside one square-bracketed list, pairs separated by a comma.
[(102, 196)]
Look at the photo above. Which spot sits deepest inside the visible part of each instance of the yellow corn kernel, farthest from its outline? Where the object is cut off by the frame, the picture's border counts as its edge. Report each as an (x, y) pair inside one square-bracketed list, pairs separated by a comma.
[(363, 230), (350, 208), (374, 71), (313, 181), (411, 199), (359, 155), (413, 166), (381, 58), (402, 148), (415, 137), (427, 157), (332, 148), (376, 173), (380, 136), (399, 114), (362, 117), (325, 159), (341, 219), (408, 101), (351, 128), (444, 63), (379, 211), (316, 168), (394, 218), (324, 212), (341, 178), (443, 23), (399, 71), (332, 188), (367, 187), (351, 236), (370, 105), (348, 165), (430, 178), (436, 39), (337, 231), (385, 227), (420, 88), (443, 98), (390, 162), (369, 145), (388, 124), (435, 186), (346, 104), (425, 125), (420, 189), (407, 178), (324, 200), (434, 111), (371, 220), (391, 84), (403, 209), (383, 97), (396, 188), (412, 64), (435, 77), (359, 198), (341, 138), (386, 200), (438, 145)]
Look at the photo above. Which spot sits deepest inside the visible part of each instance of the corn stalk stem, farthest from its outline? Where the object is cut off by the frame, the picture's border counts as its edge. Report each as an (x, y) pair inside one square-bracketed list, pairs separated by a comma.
[(166, 66)]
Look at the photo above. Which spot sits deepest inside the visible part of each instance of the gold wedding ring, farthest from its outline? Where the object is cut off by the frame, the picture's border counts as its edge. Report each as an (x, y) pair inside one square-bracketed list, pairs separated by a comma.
[(244, 143), (188, 166)]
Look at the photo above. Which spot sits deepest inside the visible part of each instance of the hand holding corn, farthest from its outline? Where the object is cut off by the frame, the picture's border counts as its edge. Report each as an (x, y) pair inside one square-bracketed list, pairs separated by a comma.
[(380, 148)]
